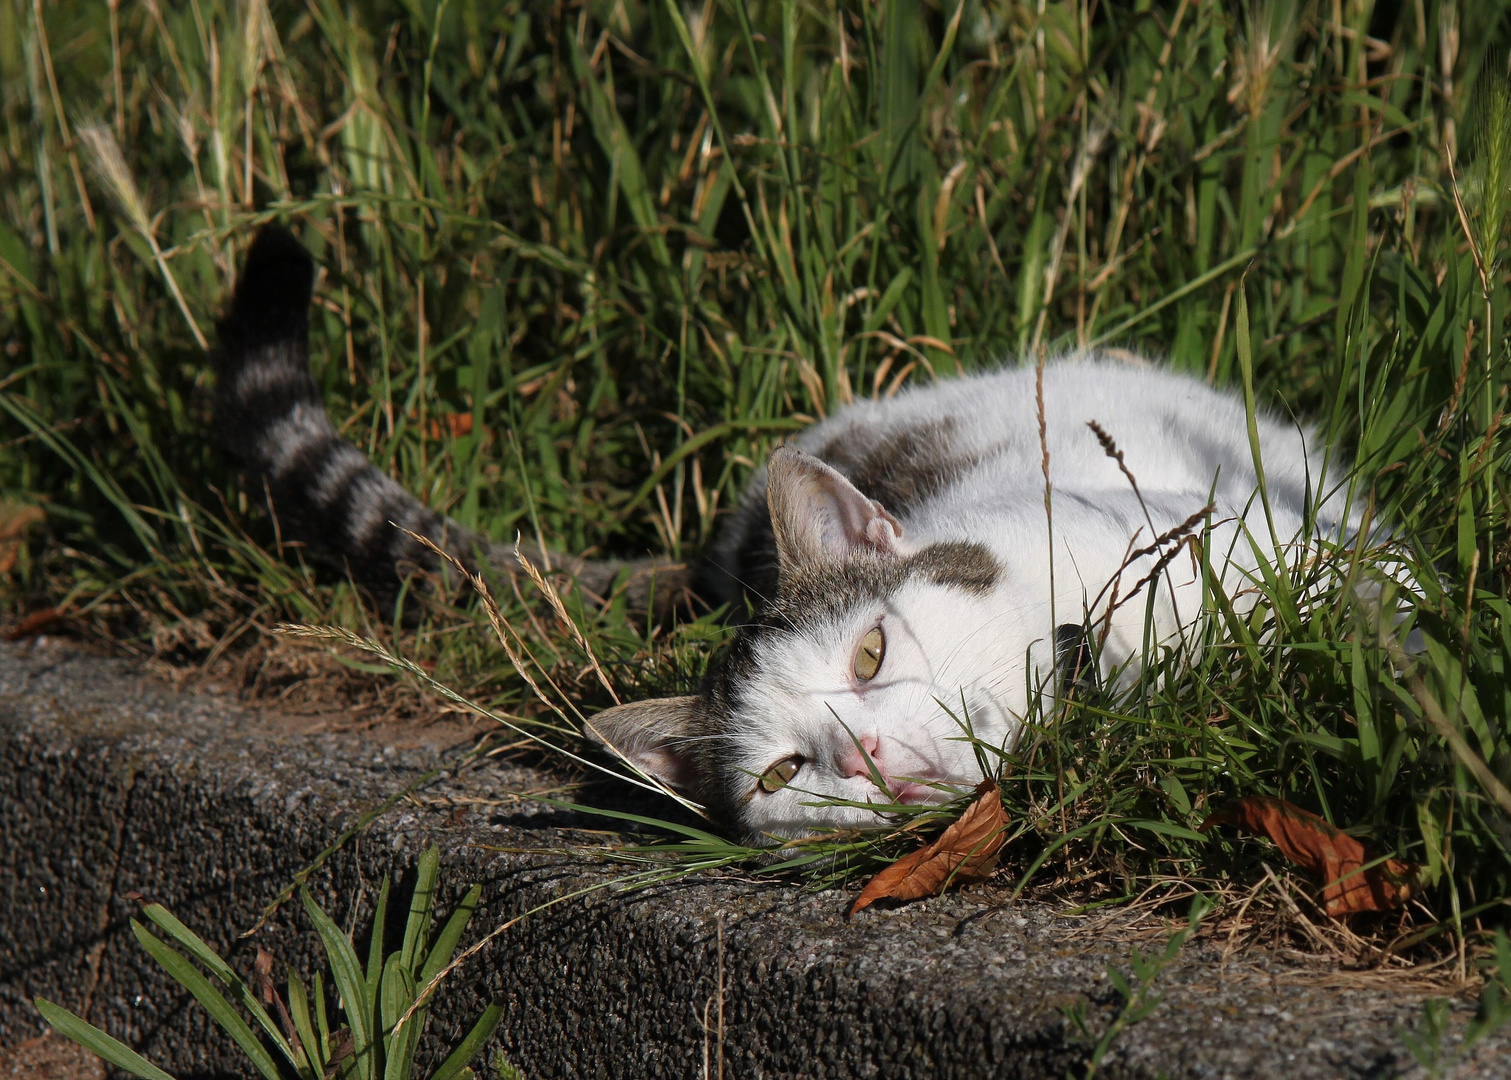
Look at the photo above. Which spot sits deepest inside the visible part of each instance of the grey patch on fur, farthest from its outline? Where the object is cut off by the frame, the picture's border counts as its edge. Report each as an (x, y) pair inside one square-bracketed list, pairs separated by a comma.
[(1109, 509), (369, 494), (344, 464), (276, 369), (287, 437), (901, 469), (963, 564), (826, 590)]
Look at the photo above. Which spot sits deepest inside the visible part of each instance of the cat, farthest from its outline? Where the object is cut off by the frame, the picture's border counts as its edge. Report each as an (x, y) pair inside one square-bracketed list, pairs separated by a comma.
[(896, 556), (328, 497)]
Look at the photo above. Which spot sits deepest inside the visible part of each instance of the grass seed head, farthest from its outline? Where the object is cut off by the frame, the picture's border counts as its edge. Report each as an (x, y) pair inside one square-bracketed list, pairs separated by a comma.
[(109, 165), (1490, 174)]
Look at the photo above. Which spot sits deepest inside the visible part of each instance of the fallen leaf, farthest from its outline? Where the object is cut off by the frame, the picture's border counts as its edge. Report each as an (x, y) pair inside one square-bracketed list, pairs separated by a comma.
[(1314, 845), (264, 969), (15, 519), (342, 1046), (965, 852), (448, 424), (35, 623)]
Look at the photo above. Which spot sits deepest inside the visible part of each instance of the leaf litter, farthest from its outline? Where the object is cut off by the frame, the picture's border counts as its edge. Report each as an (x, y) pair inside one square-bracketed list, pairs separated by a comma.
[(15, 520), (1352, 882), (965, 853)]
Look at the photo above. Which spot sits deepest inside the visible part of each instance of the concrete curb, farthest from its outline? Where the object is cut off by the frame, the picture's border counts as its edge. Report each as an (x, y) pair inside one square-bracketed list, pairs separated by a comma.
[(112, 783)]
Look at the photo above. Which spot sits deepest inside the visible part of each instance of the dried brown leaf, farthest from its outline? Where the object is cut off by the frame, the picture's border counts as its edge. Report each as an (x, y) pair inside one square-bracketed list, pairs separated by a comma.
[(965, 852), (342, 1047), (269, 994), (447, 425), (264, 969), (36, 623), (15, 519), (1348, 886)]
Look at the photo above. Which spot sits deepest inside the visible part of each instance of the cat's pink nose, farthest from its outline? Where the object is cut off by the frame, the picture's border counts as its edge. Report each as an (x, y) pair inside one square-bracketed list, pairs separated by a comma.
[(855, 763)]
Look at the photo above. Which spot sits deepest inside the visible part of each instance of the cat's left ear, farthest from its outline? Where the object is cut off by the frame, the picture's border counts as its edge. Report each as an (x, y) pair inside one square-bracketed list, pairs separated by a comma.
[(818, 515), (655, 735)]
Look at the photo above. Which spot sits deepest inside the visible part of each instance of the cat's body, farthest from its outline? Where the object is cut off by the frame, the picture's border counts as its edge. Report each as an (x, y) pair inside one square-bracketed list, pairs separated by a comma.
[(954, 567), (963, 458), (897, 554)]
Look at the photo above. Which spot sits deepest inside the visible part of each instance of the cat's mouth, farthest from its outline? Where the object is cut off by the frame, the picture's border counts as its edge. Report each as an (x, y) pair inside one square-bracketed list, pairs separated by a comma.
[(913, 793)]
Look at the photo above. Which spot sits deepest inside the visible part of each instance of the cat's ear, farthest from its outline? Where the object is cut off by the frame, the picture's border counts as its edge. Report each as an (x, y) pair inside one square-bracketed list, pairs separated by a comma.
[(654, 735), (816, 514)]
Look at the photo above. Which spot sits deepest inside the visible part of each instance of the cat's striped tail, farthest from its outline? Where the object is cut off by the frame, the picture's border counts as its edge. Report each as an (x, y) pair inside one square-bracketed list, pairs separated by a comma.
[(326, 494)]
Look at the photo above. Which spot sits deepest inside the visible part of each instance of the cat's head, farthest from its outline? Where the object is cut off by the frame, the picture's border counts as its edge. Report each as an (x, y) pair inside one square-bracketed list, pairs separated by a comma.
[(854, 685)]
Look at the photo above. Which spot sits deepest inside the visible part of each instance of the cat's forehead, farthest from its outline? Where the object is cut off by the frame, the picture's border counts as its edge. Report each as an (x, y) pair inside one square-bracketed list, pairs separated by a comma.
[(825, 592), (821, 601)]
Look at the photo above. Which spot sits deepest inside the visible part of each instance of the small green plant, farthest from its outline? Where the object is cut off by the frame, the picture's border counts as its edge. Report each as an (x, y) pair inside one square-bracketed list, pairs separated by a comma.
[(1426, 1042), (372, 1034), (1138, 998)]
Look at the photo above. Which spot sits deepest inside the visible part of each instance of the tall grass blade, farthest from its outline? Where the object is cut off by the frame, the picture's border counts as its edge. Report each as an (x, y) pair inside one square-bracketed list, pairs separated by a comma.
[(346, 971), (471, 1045), (214, 1002), (110, 1050)]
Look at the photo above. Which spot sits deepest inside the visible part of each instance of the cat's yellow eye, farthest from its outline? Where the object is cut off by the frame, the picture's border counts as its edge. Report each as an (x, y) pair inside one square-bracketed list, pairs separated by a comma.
[(779, 775), (868, 657)]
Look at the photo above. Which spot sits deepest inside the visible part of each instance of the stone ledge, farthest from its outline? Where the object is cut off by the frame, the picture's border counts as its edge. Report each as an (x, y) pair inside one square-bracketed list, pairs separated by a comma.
[(113, 783)]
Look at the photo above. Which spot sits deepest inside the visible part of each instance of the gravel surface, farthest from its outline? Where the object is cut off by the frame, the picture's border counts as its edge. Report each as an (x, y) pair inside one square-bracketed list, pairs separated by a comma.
[(115, 786)]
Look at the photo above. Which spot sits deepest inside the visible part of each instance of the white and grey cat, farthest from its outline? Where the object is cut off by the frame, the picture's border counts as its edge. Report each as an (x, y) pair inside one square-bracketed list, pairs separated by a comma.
[(897, 556)]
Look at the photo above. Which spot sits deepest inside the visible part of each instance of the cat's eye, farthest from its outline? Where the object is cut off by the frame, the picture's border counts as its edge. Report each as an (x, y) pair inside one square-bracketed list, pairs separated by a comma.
[(779, 775), (869, 656)]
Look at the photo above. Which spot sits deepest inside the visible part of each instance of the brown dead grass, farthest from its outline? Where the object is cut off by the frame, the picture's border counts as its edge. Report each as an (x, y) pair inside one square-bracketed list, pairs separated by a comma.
[(1280, 917), (50, 1057)]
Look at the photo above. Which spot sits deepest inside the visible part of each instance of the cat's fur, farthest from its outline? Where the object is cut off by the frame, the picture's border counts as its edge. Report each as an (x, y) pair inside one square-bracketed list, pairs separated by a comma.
[(328, 496), (923, 515)]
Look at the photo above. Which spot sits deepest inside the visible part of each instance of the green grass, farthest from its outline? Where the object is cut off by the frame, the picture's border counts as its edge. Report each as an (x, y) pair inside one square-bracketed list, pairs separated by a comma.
[(386, 1007), (634, 243)]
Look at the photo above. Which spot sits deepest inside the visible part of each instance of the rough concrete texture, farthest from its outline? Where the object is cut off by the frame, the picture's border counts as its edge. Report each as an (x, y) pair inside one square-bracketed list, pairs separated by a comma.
[(113, 784)]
